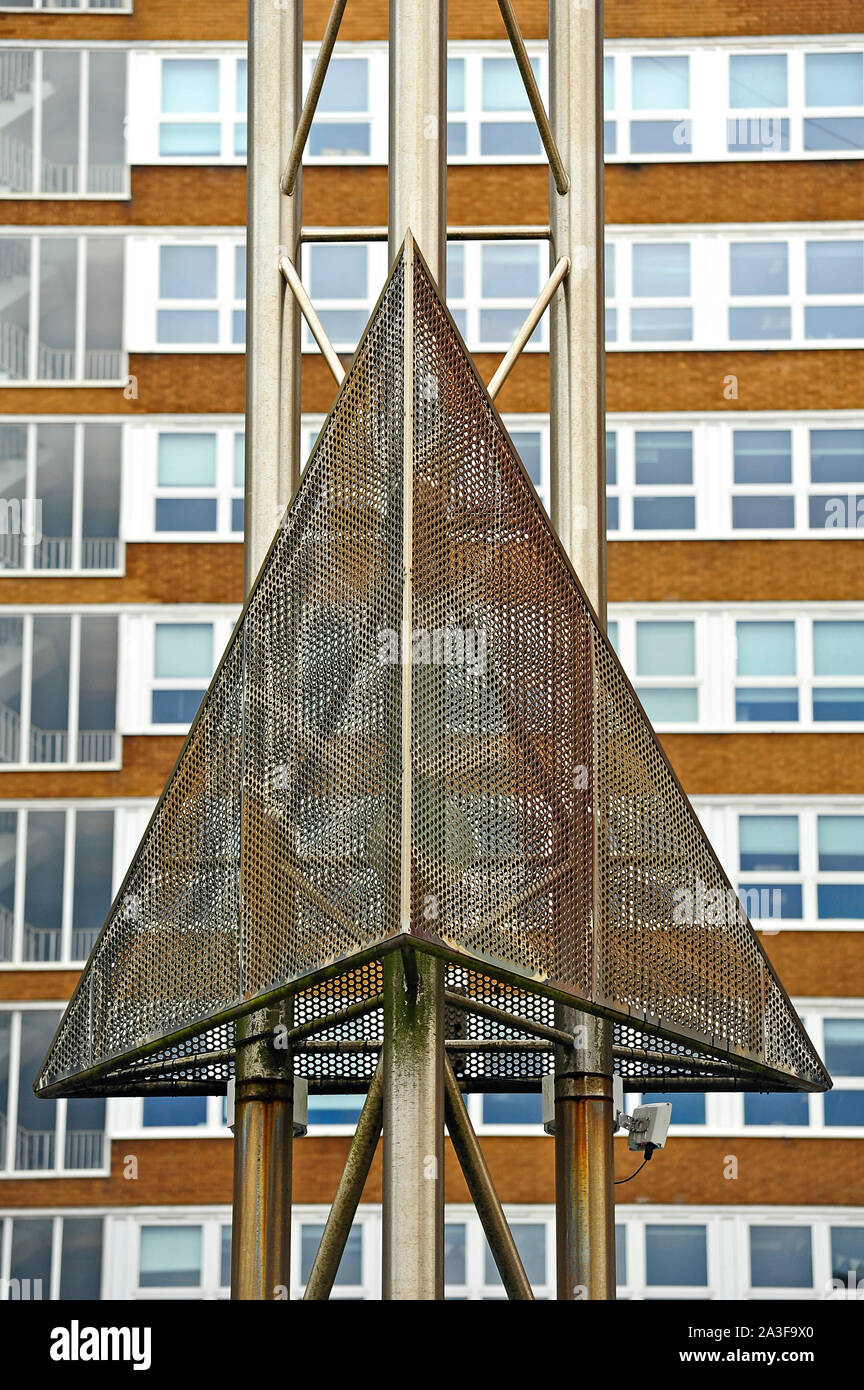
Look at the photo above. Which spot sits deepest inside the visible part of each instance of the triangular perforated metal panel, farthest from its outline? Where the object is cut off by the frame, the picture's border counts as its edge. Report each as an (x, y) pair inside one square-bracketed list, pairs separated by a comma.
[(553, 853)]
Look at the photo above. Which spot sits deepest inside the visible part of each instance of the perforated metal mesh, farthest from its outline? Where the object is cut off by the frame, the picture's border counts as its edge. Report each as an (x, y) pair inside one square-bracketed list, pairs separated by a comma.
[(552, 851)]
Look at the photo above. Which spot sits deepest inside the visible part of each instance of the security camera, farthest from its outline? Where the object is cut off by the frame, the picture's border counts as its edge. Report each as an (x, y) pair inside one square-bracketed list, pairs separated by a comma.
[(649, 1127)]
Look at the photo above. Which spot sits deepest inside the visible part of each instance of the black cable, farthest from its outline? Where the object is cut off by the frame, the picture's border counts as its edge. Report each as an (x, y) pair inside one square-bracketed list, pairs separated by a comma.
[(649, 1149)]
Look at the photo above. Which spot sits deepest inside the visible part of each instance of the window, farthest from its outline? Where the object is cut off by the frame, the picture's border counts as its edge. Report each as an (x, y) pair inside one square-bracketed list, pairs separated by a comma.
[(61, 496), (338, 278), (844, 1058), (834, 98), (342, 128), (660, 85), (489, 117), (202, 104), (758, 101), (663, 466), (64, 136), (52, 1257), (490, 289), (199, 482), (170, 1257), (781, 1257), (42, 1135), (665, 668), (183, 662), (676, 1255), (62, 300), (766, 650), (762, 459), (661, 271), (759, 269), (57, 887), (200, 293), (48, 714)]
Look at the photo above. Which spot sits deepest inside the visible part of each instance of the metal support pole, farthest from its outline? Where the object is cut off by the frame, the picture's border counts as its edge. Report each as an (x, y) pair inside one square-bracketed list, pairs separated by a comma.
[(413, 1055), (483, 1194), (583, 1075), (348, 1193), (264, 1082)]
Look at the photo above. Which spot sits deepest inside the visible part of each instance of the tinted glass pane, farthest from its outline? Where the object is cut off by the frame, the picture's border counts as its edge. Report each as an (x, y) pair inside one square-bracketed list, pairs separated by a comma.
[(509, 138), (676, 1255), (337, 272), (350, 1269), (837, 513), (190, 138), (190, 85), (510, 272), (770, 900), (516, 1109), (753, 705), (183, 649), (834, 133), (611, 457), (35, 1147), (175, 706), (661, 269), (776, 1109), (844, 1108), (187, 326), (340, 140), (833, 79), (665, 649), (173, 1111), (454, 1252), (766, 649), (334, 1110), (763, 513), (31, 1253), (837, 456), (762, 456), (780, 1257), (455, 272), (751, 134), (838, 648), (187, 272), (835, 267), (660, 84), (530, 1241), (170, 1257), (455, 84), (841, 843), (620, 1254), (686, 1109), (847, 1253), (664, 514), (757, 80), (768, 842), (760, 323), (503, 88), (529, 446), (664, 457), (660, 137), (186, 460), (225, 1257), (346, 86), (612, 520), (759, 267), (841, 900), (343, 326), (81, 1259), (185, 514), (669, 706), (846, 705), (609, 84), (457, 139), (834, 321), (658, 325)]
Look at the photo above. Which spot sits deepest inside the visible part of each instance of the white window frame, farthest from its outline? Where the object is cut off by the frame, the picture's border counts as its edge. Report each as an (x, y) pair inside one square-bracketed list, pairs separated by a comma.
[(137, 647), (108, 548), (119, 186), (141, 478), (716, 661), (110, 739), (129, 821), (7, 1170), (56, 1216), (113, 361)]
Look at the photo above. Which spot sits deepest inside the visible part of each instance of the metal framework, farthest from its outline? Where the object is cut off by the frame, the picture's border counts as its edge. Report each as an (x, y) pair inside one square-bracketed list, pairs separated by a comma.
[(421, 838)]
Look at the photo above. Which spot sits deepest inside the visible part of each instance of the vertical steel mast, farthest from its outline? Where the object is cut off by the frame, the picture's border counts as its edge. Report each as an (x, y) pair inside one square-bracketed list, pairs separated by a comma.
[(584, 1192), (264, 1082), (413, 1054)]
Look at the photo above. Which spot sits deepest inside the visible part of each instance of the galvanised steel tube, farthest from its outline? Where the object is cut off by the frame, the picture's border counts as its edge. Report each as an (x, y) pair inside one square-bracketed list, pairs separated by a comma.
[(264, 1083), (348, 1193), (413, 1055), (467, 1149), (583, 1086)]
